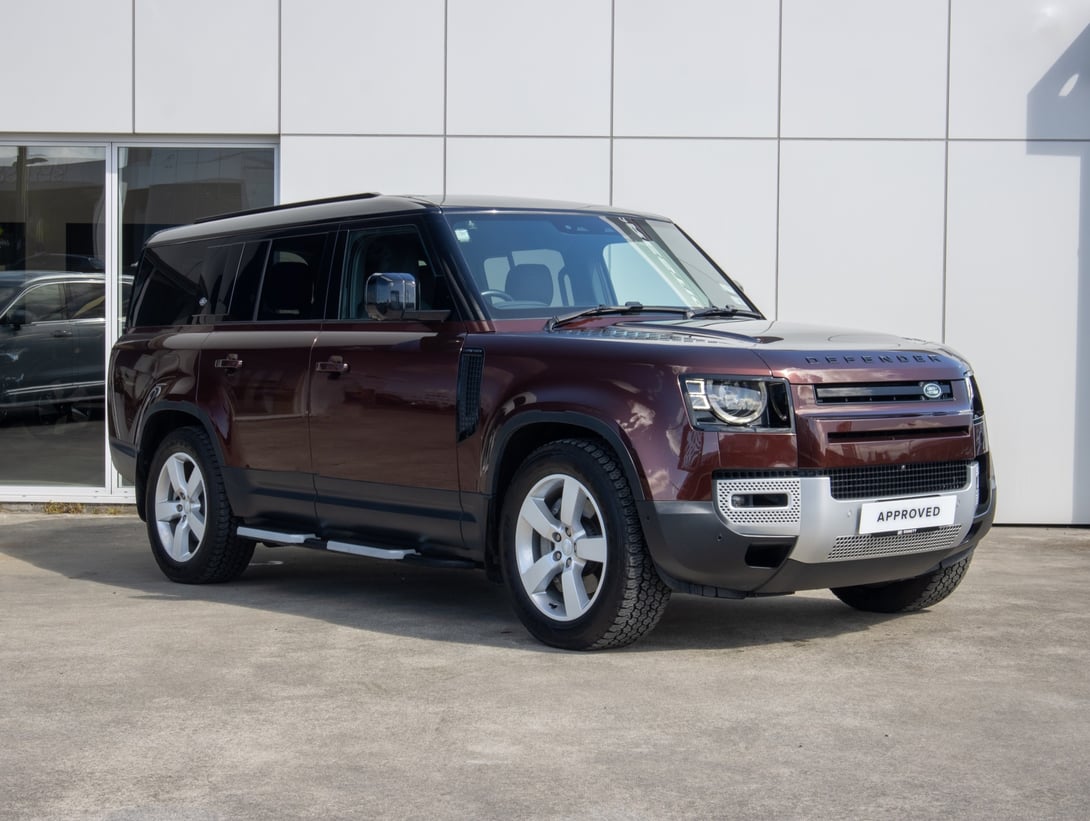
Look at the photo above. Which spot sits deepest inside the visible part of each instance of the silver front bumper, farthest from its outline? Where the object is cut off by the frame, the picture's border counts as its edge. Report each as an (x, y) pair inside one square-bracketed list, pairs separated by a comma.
[(827, 529)]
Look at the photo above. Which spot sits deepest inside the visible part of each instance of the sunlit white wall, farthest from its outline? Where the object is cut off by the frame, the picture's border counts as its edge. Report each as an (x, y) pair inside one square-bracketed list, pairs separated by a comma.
[(920, 166)]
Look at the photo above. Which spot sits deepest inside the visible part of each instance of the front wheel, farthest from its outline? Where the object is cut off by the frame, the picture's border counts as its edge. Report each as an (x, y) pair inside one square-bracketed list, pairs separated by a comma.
[(908, 594), (190, 526), (574, 556)]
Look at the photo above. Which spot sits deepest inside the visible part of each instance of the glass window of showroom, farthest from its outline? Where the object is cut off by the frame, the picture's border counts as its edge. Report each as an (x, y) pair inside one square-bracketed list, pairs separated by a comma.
[(73, 218)]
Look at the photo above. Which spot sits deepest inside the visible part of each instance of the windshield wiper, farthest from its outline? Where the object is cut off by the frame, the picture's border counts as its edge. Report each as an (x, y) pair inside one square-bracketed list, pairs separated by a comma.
[(604, 310), (714, 311), (639, 307)]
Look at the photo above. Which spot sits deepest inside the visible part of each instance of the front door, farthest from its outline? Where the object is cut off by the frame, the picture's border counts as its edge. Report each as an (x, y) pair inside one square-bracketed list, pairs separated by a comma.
[(383, 403)]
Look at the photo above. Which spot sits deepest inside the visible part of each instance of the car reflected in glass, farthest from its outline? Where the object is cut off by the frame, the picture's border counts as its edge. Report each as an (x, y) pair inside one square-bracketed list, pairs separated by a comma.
[(52, 342)]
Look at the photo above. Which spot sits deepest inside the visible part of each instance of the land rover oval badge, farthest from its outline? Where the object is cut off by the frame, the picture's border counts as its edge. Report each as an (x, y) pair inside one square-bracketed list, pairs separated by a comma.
[(932, 390)]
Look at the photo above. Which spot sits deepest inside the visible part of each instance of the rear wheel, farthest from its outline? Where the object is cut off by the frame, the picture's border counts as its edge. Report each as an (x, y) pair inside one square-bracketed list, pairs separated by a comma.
[(908, 594), (190, 526), (574, 556)]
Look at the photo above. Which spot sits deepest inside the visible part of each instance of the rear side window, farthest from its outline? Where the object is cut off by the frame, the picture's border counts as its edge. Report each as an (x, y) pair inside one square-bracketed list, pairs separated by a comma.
[(265, 280), (221, 266), (291, 286), (171, 286), (250, 268)]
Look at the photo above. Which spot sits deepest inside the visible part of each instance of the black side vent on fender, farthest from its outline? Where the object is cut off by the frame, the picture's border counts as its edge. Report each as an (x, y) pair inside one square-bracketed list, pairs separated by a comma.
[(470, 372)]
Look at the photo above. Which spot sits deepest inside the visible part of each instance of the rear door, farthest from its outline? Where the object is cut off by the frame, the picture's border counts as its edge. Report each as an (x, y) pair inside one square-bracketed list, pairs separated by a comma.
[(383, 399), (255, 374)]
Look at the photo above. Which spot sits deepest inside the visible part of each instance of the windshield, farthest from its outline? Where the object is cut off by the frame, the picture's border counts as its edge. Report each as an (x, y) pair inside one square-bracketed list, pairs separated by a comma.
[(542, 264)]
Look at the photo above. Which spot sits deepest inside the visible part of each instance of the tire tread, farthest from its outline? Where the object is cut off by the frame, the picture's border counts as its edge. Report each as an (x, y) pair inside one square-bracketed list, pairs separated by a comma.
[(907, 595)]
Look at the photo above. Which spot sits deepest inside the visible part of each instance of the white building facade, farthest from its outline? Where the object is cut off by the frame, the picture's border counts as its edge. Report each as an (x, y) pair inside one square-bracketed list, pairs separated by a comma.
[(915, 166)]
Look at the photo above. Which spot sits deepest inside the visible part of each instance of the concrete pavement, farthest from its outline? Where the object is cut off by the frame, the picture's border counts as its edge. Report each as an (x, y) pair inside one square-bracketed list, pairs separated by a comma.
[(321, 686)]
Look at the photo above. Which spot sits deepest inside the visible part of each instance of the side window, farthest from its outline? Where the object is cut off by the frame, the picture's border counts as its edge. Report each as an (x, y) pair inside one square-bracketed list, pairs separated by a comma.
[(221, 267), (248, 282), (171, 287), (86, 300), (290, 288), (390, 250), (44, 303)]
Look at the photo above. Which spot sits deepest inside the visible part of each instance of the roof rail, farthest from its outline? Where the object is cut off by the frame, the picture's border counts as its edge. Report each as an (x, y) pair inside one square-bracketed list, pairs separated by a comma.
[(266, 209)]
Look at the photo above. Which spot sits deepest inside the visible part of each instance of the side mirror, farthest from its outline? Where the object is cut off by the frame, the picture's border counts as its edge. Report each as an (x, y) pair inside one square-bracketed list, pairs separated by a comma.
[(390, 296)]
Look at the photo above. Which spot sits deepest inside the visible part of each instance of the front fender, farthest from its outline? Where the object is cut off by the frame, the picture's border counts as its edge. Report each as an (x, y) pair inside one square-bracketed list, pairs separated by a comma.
[(557, 420)]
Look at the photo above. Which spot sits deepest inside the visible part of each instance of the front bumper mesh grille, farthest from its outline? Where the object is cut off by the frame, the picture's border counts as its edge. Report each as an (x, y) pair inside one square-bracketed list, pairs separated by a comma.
[(788, 513), (877, 481), (898, 480), (895, 544)]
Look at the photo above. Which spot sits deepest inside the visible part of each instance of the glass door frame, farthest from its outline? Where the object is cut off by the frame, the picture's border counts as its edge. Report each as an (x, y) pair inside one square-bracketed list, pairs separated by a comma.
[(112, 490)]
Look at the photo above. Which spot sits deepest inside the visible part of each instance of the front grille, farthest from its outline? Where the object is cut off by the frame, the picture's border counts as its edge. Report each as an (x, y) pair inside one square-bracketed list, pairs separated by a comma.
[(883, 392), (895, 544), (898, 480), (875, 482)]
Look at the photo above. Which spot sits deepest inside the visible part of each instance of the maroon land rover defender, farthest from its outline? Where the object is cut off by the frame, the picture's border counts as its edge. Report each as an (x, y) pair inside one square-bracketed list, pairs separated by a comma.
[(575, 399)]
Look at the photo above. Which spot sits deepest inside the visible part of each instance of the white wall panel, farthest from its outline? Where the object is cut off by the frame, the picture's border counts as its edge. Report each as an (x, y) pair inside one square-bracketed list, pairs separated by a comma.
[(864, 68), (312, 167), (693, 68), (1020, 68), (673, 107), (861, 234), (1018, 214), (537, 67), (67, 66), (722, 192), (571, 169), (207, 67), (370, 67)]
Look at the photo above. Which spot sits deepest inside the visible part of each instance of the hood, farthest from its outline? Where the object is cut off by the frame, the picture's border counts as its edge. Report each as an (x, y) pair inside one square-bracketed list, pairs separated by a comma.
[(816, 353)]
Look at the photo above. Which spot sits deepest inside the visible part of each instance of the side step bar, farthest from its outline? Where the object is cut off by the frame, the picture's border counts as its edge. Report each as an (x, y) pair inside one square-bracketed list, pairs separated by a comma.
[(275, 537)]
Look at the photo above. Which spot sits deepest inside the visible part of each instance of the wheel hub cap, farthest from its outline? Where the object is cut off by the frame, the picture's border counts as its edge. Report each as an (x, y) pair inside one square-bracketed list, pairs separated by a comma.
[(560, 547)]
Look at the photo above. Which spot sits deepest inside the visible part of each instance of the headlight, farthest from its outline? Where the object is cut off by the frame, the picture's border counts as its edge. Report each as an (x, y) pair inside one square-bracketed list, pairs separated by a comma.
[(759, 403)]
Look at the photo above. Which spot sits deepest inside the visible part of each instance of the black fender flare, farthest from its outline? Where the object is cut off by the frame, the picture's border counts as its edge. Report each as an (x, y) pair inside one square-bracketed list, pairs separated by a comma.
[(610, 434), (144, 455)]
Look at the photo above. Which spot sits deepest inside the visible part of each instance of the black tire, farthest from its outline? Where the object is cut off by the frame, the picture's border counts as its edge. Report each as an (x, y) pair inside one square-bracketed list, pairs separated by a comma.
[(908, 594), (545, 567), (190, 527)]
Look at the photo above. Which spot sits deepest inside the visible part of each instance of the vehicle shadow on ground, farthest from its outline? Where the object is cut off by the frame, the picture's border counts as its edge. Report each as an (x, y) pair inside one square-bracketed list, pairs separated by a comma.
[(396, 598)]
